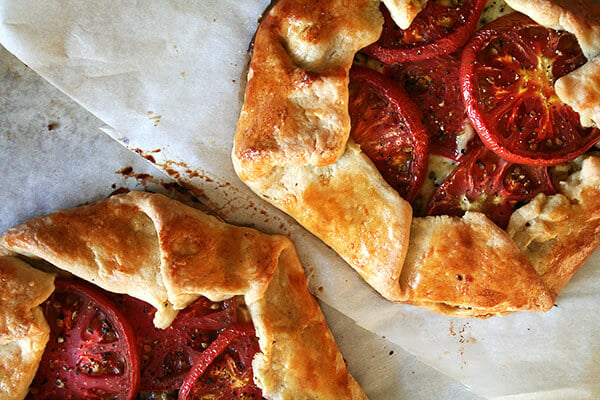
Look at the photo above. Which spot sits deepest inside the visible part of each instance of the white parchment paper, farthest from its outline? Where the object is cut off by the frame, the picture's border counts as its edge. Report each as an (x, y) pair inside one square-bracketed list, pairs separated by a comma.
[(166, 76)]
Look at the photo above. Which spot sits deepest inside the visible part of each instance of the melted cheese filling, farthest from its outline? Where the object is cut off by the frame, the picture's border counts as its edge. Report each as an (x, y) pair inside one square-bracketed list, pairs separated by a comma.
[(494, 9)]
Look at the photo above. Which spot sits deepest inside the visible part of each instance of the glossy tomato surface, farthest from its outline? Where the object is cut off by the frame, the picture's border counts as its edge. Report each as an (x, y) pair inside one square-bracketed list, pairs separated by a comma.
[(388, 127), (486, 183), (442, 27), (507, 77), (91, 353), (434, 87), (167, 355), (224, 371)]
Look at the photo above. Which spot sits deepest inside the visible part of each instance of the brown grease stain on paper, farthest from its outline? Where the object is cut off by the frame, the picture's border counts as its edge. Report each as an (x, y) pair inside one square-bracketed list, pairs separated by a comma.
[(199, 183), (463, 334), (155, 118)]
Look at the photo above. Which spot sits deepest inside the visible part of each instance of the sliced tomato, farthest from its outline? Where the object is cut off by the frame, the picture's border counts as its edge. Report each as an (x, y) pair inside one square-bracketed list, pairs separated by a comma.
[(91, 353), (507, 78), (388, 127), (442, 27), (224, 371), (433, 85), (167, 355), (487, 183)]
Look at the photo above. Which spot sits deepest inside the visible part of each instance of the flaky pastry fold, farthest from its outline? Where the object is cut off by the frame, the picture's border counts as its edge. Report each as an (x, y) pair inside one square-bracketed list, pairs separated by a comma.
[(24, 331), (297, 155), (168, 254), (558, 233)]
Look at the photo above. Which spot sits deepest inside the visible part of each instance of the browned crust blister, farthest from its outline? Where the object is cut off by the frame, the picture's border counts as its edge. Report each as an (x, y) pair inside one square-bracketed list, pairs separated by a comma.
[(159, 250), (455, 266)]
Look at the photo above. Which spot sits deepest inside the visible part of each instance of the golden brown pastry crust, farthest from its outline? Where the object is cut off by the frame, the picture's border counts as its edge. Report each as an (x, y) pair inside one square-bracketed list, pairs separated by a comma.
[(558, 233), (23, 329), (579, 17), (272, 145), (297, 114), (404, 11), (581, 90), (483, 272), (340, 203), (199, 255), (111, 244)]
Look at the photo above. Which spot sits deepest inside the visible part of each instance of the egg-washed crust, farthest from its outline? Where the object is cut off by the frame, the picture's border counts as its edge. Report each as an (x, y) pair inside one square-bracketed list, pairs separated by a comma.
[(191, 254), (344, 200), (404, 11), (23, 330), (581, 90), (579, 17), (558, 233)]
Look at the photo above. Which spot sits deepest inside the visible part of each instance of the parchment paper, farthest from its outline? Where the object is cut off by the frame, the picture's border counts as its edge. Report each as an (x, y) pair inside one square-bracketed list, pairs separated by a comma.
[(166, 77)]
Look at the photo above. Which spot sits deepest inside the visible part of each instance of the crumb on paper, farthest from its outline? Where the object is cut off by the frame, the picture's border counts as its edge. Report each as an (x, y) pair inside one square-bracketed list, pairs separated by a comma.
[(52, 126)]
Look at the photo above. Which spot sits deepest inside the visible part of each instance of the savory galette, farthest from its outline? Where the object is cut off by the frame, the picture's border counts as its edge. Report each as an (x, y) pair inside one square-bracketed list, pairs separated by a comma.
[(444, 149), (140, 296)]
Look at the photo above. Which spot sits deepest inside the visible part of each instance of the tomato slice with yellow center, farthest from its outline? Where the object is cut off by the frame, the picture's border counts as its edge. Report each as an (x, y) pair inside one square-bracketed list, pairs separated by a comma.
[(91, 353), (388, 127), (507, 78), (489, 184), (442, 27)]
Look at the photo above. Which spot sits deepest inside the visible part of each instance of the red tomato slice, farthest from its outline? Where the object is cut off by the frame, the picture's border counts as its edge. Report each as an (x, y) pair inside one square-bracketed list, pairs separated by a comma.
[(487, 183), (433, 85), (167, 355), (224, 371), (507, 78), (443, 27), (388, 127), (91, 353)]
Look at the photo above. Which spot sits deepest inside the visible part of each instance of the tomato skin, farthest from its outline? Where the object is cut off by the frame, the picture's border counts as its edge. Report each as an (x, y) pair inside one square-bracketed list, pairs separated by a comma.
[(507, 79), (91, 353), (486, 183), (428, 36), (434, 86), (387, 126), (239, 339)]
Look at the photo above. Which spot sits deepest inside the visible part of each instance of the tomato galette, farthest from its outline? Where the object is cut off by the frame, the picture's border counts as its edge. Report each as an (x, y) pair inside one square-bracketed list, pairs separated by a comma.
[(141, 297), (445, 149)]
